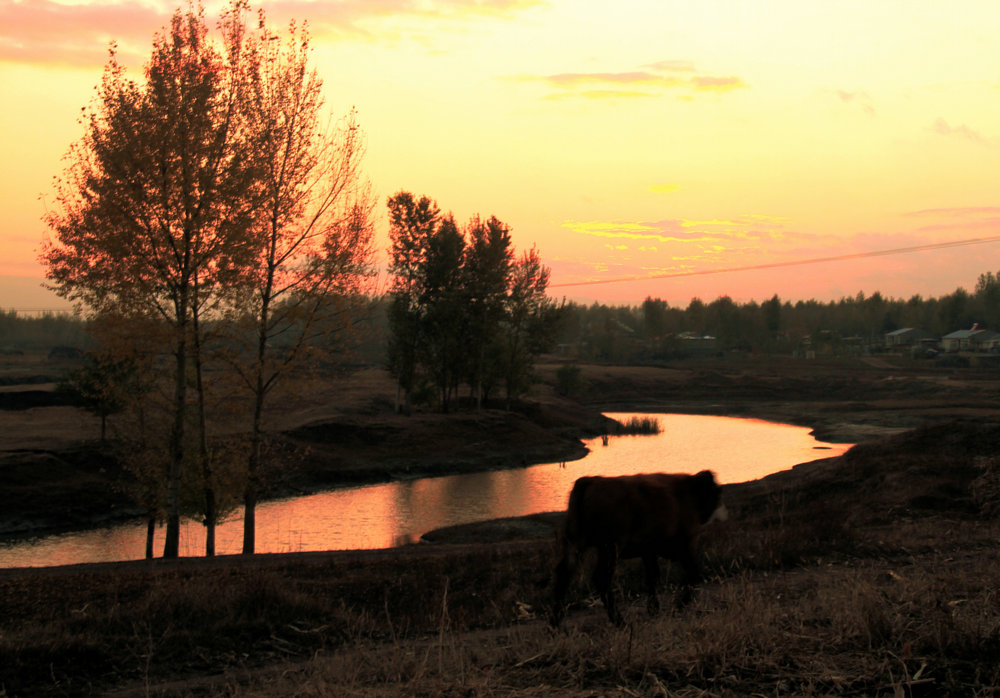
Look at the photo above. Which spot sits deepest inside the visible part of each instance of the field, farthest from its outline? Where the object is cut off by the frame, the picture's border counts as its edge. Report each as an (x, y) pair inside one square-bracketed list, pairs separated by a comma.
[(872, 574)]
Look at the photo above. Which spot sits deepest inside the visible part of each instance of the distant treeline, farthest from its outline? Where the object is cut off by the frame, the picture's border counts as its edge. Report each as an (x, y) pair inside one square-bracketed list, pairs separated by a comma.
[(656, 330), (19, 333)]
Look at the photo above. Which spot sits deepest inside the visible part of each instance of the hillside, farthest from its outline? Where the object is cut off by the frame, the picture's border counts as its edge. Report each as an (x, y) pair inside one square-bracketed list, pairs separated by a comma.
[(866, 574), (874, 573), (342, 429)]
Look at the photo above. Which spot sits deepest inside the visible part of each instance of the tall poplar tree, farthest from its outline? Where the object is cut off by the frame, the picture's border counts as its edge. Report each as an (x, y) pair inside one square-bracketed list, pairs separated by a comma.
[(443, 307), (531, 321), (488, 266), (312, 228), (216, 190), (412, 222), (153, 202)]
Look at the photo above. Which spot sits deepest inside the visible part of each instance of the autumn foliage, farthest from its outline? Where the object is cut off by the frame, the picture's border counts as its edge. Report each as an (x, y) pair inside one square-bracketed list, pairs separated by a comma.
[(214, 201)]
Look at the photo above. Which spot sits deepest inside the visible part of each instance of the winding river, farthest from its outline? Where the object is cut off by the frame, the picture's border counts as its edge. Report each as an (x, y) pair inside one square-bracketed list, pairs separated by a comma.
[(381, 516)]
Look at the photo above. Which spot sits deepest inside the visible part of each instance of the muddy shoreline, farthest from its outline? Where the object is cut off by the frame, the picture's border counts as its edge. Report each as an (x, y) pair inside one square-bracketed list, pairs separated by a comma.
[(323, 467), (357, 439)]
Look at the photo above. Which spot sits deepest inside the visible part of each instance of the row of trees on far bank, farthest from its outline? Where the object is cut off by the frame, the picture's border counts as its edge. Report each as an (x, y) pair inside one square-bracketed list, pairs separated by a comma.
[(655, 330), (463, 309), (215, 225)]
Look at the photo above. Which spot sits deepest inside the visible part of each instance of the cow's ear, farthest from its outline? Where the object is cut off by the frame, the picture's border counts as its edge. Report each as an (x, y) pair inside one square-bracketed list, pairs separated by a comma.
[(706, 476)]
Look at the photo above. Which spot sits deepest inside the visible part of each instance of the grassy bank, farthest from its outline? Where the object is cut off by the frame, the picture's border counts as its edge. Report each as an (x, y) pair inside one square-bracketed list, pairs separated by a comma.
[(875, 573)]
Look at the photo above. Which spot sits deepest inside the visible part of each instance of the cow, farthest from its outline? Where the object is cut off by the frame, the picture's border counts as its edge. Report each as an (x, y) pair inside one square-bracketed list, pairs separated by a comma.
[(635, 516)]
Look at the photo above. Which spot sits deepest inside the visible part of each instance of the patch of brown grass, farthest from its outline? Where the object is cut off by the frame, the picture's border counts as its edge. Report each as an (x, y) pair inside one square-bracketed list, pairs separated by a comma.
[(870, 574), (870, 628)]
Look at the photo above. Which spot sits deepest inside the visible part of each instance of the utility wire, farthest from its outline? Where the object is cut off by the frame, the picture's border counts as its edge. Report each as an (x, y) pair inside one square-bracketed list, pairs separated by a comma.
[(794, 263)]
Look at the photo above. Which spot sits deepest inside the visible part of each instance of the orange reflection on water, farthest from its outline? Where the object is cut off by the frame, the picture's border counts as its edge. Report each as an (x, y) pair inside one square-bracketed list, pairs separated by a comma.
[(382, 516)]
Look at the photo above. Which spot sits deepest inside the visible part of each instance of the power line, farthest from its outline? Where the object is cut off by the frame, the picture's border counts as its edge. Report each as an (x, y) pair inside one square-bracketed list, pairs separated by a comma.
[(794, 263)]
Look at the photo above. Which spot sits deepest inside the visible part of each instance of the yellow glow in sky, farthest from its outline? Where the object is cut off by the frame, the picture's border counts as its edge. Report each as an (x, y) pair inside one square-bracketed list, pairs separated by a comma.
[(626, 138)]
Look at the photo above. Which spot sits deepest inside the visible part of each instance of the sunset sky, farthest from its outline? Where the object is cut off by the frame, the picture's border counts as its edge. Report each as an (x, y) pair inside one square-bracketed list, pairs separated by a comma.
[(658, 139)]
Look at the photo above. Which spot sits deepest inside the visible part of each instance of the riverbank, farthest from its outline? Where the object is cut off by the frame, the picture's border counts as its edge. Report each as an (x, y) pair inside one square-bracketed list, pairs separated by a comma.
[(344, 431), (870, 574)]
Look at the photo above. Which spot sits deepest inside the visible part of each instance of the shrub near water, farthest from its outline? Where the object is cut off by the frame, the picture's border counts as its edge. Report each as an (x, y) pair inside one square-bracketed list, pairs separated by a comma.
[(640, 426)]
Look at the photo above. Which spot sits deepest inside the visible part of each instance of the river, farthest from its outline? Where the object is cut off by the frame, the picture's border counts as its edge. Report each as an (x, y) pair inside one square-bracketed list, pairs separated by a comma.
[(381, 516)]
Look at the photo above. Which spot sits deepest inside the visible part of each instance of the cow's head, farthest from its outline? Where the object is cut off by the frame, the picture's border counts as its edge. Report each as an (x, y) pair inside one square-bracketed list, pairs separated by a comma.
[(708, 495)]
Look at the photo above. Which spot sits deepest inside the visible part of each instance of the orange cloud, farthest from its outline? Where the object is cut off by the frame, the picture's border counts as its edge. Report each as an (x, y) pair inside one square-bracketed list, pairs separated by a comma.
[(351, 17), (601, 94), (958, 212), (628, 78), (943, 128), (971, 218), (652, 80), (717, 84), (718, 233), (664, 188), (860, 98), (671, 66)]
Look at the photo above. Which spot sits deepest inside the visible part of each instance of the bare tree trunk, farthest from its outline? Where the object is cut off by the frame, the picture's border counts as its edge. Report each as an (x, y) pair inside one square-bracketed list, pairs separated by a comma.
[(171, 545), (203, 454), (150, 532), (252, 491)]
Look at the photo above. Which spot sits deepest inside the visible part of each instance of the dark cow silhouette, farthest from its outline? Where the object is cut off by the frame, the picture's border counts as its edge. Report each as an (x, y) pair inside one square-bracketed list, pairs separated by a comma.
[(645, 516)]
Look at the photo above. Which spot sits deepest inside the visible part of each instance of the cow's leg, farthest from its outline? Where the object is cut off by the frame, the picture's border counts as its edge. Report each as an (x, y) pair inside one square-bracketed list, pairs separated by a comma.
[(652, 581), (603, 574), (563, 574), (691, 575)]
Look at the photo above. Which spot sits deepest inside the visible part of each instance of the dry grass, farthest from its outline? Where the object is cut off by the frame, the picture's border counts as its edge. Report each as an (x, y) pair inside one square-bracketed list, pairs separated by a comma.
[(864, 629), (874, 574), (912, 613)]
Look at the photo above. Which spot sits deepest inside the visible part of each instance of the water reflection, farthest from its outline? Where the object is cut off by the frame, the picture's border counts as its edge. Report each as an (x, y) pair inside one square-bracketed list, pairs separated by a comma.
[(381, 516)]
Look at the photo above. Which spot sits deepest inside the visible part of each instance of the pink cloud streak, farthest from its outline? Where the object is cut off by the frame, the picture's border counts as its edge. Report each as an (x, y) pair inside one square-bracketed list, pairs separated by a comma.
[(47, 32), (943, 128)]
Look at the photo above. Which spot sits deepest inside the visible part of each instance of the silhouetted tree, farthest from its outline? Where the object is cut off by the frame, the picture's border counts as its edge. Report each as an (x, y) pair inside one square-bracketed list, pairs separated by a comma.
[(488, 266), (772, 315), (695, 316), (411, 224), (953, 311), (531, 324), (443, 310), (654, 317), (987, 298), (102, 385), (311, 231), (155, 197)]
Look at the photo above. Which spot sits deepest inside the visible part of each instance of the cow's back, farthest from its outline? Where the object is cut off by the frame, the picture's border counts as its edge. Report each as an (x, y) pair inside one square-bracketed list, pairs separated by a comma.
[(649, 516), (630, 512)]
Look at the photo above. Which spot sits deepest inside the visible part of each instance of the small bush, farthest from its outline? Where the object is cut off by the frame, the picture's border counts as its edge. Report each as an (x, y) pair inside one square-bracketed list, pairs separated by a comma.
[(642, 426), (986, 488), (569, 380)]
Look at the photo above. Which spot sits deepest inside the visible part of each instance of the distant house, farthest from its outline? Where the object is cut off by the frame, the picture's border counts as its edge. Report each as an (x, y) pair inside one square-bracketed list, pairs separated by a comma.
[(907, 337), (697, 345), (975, 339)]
